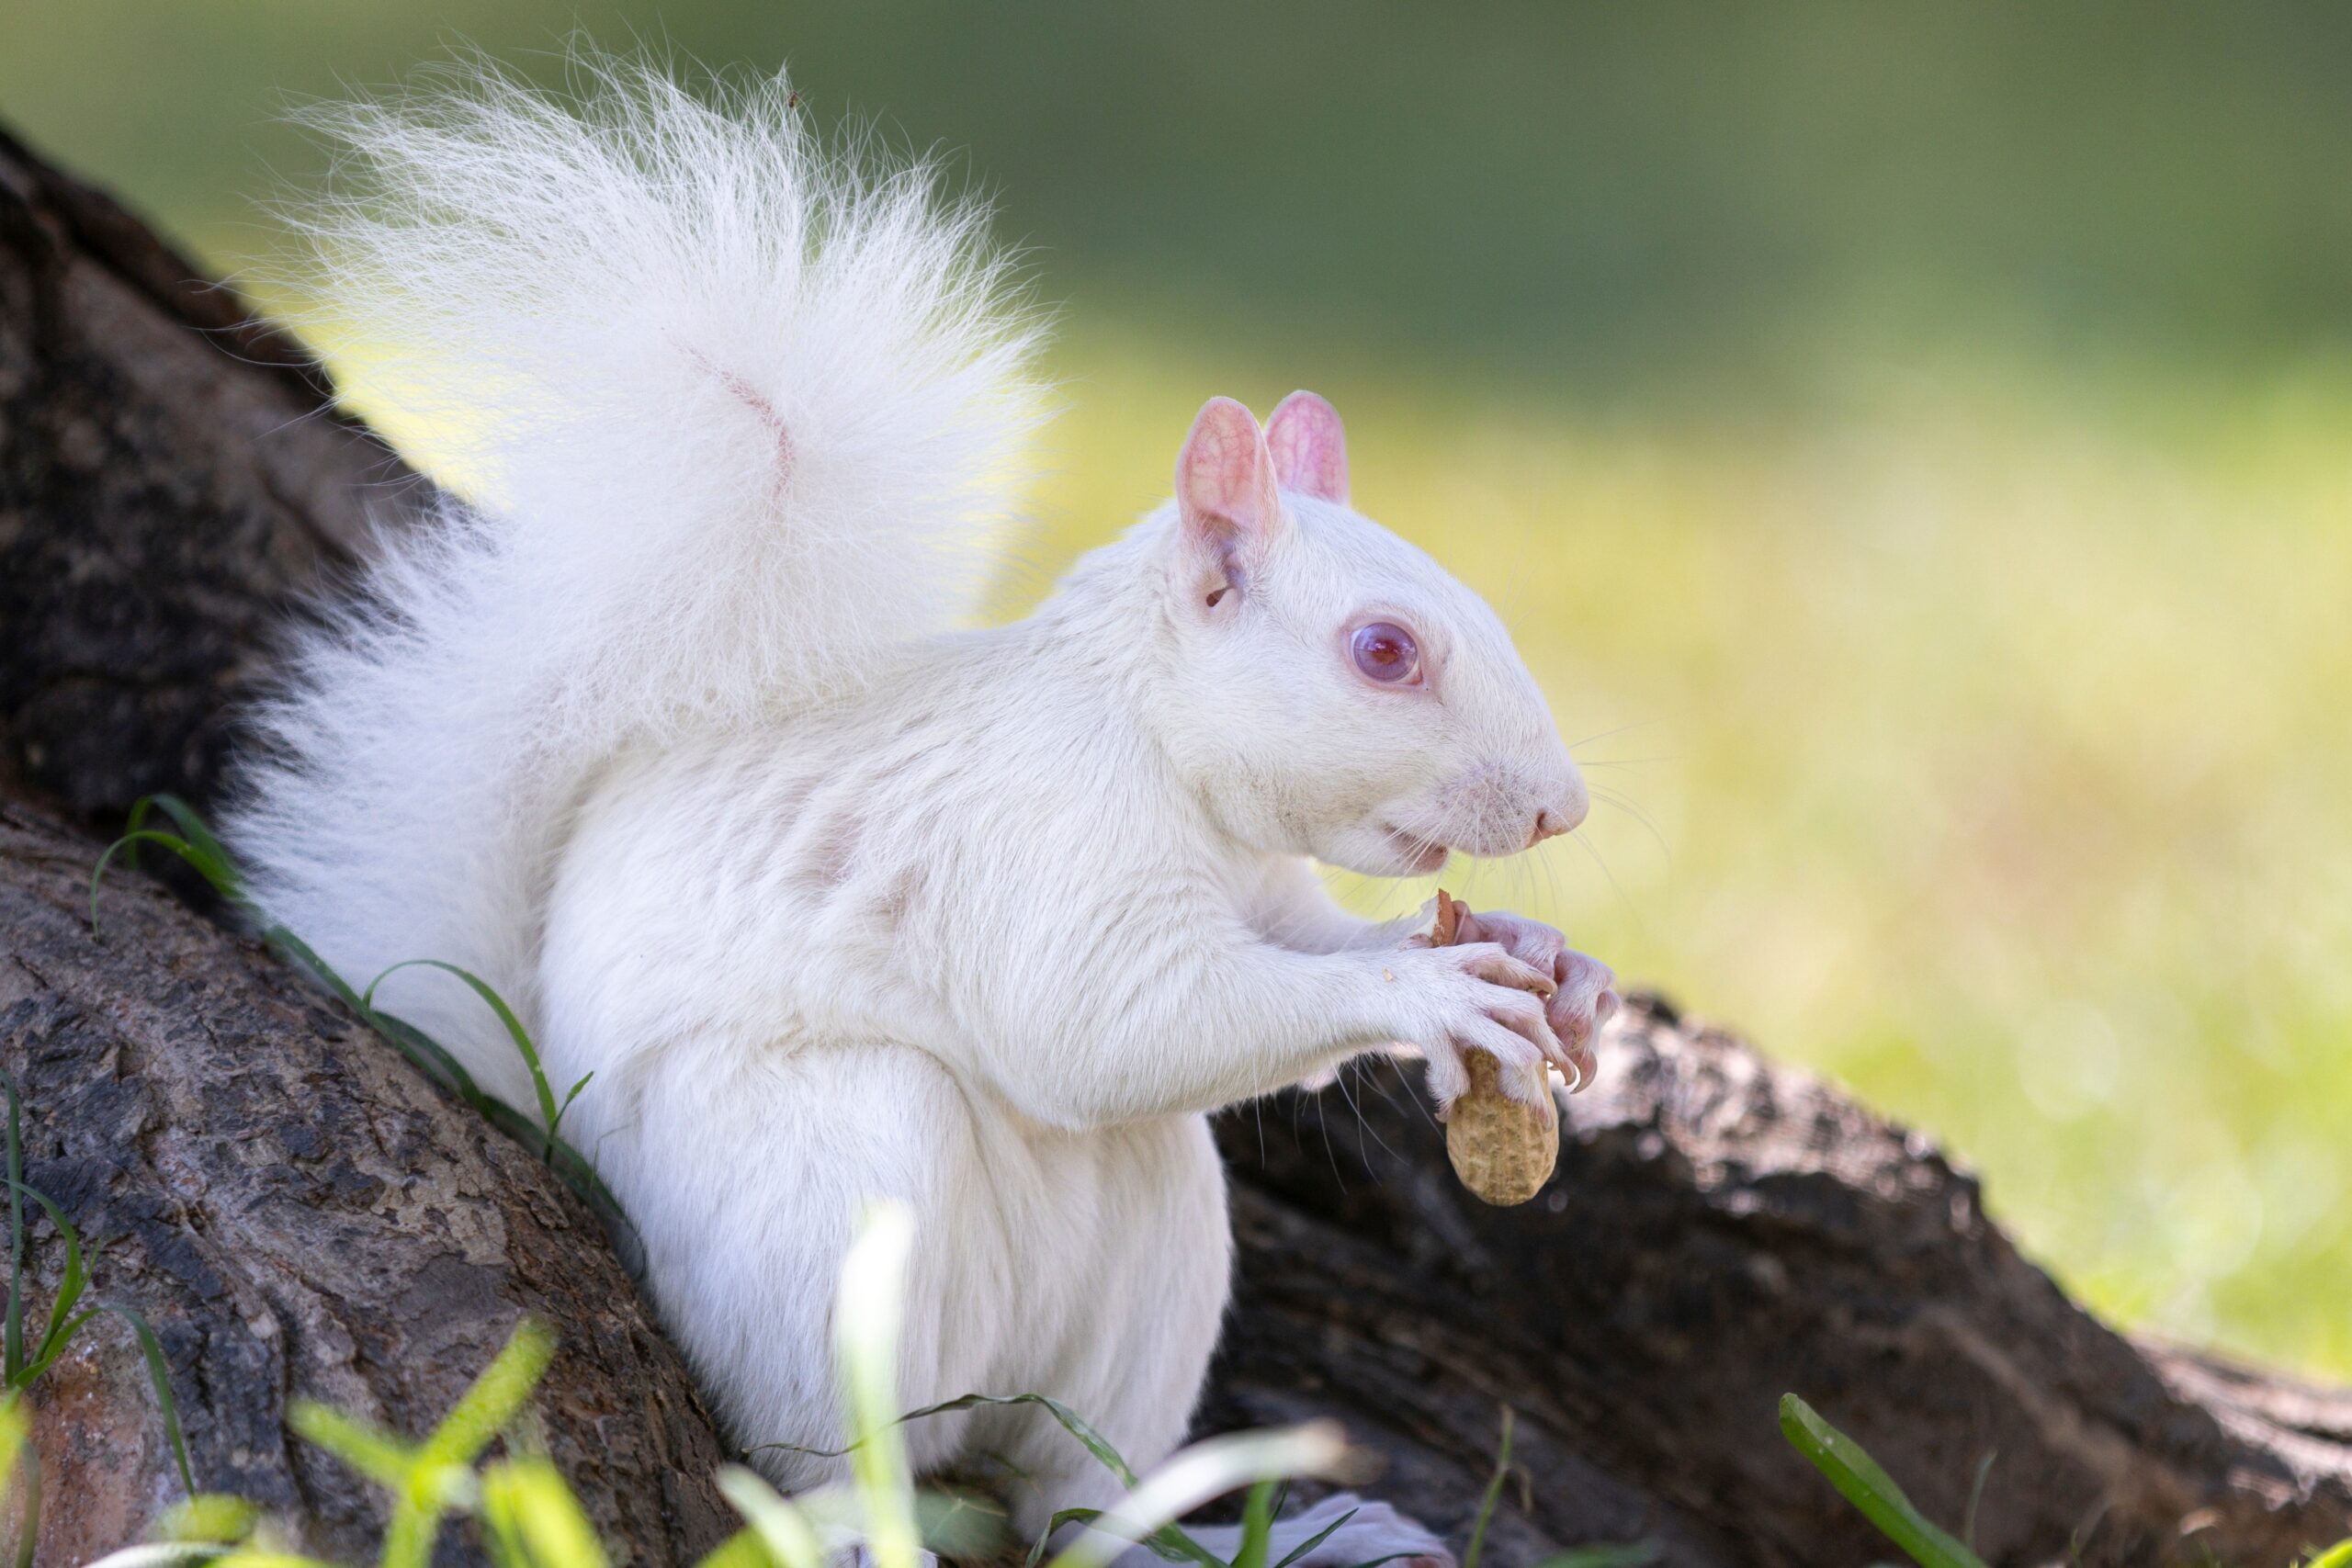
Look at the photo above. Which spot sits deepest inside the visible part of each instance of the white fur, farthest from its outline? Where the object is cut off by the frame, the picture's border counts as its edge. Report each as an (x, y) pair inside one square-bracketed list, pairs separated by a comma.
[(680, 746)]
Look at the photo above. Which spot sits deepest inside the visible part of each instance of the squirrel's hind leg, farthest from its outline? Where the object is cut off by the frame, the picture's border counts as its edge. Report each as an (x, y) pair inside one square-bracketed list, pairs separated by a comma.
[(1156, 1273), (744, 1170), (1128, 1276)]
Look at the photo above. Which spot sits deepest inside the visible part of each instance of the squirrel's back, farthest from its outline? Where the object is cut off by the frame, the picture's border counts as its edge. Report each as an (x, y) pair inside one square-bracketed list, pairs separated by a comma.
[(742, 411)]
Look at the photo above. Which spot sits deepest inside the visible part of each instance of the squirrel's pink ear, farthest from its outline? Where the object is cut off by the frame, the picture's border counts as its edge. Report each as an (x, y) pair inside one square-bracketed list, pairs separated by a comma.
[(1225, 495), (1310, 450)]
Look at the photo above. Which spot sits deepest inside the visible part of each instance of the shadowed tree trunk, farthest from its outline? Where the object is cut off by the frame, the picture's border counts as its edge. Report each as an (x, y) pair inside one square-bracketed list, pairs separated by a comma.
[(296, 1212), (172, 479), (299, 1213), (295, 1209), (1722, 1230)]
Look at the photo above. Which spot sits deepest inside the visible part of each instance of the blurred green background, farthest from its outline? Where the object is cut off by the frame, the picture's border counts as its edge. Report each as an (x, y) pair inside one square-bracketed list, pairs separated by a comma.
[(1909, 441)]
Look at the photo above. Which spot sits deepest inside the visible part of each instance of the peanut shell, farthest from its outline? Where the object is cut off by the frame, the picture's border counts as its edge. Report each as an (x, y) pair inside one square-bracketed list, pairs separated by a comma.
[(1502, 1149)]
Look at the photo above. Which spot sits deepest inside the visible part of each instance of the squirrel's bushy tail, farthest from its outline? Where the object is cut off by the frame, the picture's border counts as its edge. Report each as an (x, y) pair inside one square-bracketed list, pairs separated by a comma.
[(740, 408)]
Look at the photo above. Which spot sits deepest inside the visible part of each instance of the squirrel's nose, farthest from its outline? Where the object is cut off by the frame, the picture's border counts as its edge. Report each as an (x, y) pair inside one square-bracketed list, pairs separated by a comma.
[(1567, 811), (1550, 824)]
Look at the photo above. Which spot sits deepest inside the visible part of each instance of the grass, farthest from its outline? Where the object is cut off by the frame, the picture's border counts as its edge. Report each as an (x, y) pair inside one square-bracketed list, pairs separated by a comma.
[(24, 1360), (1862, 1483), (196, 844), (530, 1518)]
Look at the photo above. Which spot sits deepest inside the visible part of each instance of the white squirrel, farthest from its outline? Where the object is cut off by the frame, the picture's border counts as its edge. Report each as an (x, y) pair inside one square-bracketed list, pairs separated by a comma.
[(684, 740)]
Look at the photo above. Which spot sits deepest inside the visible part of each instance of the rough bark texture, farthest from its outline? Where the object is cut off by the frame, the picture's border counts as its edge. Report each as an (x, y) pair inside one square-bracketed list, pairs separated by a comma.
[(172, 480), (299, 1213), (296, 1211)]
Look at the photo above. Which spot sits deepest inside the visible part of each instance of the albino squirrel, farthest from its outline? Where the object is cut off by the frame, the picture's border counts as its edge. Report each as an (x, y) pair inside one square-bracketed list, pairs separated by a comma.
[(684, 739)]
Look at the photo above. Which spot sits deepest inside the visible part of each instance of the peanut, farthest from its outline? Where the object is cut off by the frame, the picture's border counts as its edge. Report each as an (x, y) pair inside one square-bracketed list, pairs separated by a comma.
[(1502, 1149)]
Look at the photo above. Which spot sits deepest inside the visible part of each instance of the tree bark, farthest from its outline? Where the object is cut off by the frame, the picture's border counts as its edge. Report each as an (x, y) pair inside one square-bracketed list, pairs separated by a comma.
[(1722, 1230), (296, 1211), (173, 482), (299, 1213)]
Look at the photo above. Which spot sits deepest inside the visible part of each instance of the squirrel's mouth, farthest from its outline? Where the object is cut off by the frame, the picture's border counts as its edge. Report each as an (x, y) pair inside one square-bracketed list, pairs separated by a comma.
[(1421, 854)]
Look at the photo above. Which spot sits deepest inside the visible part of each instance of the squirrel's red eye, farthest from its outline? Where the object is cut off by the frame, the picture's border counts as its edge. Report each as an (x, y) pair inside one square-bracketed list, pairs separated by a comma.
[(1386, 653)]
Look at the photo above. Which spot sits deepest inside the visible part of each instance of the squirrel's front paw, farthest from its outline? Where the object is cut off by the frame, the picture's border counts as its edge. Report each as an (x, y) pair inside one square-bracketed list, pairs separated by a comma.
[(1584, 996), (1587, 1000), (1476, 996)]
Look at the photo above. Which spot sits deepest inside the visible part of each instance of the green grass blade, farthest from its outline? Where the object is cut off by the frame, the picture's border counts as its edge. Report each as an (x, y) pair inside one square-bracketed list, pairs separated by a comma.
[(1492, 1496), (1871, 1489), (55, 1346), (231, 882), (1194, 1476), (568, 1163), (15, 1342), (782, 1528), (159, 1377), (163, 1554), (141, 809), (527, 1507), (495, 1397), (1076, 1425), (2336, 1556), (375, 1453), (549, 1110), (206, 851), (68, 1290), (1630, 1555), (1170, 1542), (195, 843), (218, 873), (16, 1430), (570, 1095), (1045, 1537), (1976, 1497), (1317, 1539), (431, 1057), (572, 1167), (1164, 1546), (127, 845), (28, 1505), (209, 1518), (1257, 1527), (415, 1522), (294, 948), (1069, 1420), (427, 1481), (744, 1548), (64, 1324), (963, 1524), (868, 1308)]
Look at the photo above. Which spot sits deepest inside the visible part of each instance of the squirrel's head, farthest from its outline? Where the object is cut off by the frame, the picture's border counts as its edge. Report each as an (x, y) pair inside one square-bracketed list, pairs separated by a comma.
[(1331, 689)]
